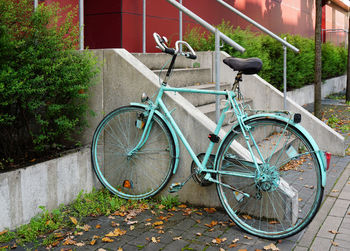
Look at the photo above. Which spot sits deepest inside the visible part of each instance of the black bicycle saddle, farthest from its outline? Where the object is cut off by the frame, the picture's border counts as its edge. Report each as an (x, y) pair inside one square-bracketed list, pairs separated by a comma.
[(244, 65)]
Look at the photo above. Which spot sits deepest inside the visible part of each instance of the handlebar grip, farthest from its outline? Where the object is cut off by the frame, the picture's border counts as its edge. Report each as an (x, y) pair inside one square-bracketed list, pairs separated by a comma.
[(169, 51), (190, 56)]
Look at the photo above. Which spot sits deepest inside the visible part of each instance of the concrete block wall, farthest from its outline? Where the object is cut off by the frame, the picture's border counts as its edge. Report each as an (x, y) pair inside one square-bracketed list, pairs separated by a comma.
[(47, 184)]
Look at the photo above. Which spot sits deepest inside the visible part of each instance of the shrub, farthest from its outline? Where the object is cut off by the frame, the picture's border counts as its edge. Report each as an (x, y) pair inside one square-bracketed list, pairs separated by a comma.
[(43, 80), (300, 67)]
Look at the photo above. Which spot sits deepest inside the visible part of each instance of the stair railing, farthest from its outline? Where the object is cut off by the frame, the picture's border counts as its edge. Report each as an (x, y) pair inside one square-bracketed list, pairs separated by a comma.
[(273, 35)]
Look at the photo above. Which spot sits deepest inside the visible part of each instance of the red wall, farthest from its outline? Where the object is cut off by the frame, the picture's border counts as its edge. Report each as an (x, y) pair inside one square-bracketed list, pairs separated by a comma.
[(287, 16)]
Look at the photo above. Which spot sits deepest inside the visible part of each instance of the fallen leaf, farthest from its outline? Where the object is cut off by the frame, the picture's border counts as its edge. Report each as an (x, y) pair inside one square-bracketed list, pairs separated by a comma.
[(69, 242), (115, 224), (119, 249), (300, 199), (107, 239), (221, 249), (93, 242), (116, 232), (98, 226), (210, 210), (212, 224), (335, 191), (161, 207), (74, 220), (177, 238), (333, 231), (132, 222), (3, 232), (161, 232), (155, 240), (271, 247), (132, 228), (273, 222), (235, 240), (157, 223), (101, 249), (149, 219), (199, 234), (198, 221), (247, 237), (242, 249), (334, 243), (246, 217), (216, 241), (54, 244), (86, 227), (233, 245), (80, 244)]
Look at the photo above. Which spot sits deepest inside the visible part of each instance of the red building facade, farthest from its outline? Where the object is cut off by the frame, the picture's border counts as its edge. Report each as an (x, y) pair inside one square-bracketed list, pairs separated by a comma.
[(118, 23)]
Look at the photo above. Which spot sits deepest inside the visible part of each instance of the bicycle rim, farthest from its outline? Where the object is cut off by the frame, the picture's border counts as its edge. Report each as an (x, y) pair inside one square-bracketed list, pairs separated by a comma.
[(143, 173), (286, 195)]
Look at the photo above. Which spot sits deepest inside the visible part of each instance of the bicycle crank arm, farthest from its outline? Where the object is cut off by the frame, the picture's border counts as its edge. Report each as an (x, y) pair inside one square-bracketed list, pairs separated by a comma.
[(230, 187)]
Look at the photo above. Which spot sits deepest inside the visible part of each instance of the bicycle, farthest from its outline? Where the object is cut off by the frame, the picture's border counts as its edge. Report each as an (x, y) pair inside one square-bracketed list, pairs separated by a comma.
[(268, 170)]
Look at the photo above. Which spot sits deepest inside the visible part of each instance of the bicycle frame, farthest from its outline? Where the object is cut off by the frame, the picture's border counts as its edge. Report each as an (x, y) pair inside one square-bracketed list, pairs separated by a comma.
[(230, 102)]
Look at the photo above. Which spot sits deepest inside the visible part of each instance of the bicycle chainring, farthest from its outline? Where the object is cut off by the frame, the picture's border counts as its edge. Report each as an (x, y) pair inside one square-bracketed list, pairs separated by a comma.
[(199, 177)]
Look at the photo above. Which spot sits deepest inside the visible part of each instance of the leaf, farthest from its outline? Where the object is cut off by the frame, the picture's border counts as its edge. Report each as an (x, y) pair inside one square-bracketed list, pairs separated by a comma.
[(132, 228), (132, 222), (149, 219), (116, 232), (242, 249), (216, 241), (246, 217), (74, 220), (272, 247), (273, 222), (233, 245), (199, 234), (101, 249), (157, 223), (182, 206), (3, 232), (334, 243), (177, 238), (80, 244), (210, 210), (161, 207), (212, 224), (221, 249), (119, 249), (93, 242), (333, 231), (235, 240), (69, 242), (98, 226), (248, 237), (107, 239)]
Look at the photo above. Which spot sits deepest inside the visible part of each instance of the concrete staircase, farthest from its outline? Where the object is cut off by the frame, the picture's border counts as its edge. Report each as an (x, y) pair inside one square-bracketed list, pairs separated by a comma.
[(192, 75)]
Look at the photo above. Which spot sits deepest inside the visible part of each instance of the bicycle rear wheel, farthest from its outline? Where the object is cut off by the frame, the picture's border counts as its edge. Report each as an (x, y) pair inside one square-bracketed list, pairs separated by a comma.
[(285, 195), (146, 171)]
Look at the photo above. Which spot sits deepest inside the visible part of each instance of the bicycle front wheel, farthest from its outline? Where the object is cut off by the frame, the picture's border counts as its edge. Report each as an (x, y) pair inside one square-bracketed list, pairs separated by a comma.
[(132, 174), (282, 198)]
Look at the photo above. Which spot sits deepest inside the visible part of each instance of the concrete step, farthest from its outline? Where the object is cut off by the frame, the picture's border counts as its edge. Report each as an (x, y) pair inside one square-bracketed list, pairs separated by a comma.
[(209, 111), (156, 61), (203, 99), (186, 77)]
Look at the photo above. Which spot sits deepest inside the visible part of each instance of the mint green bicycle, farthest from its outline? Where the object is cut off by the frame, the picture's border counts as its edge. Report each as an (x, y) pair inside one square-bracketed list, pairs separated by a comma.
[(268, 170)]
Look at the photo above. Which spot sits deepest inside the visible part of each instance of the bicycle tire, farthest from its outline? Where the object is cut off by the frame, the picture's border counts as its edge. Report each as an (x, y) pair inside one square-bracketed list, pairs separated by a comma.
[(148, 170), (283, 200)]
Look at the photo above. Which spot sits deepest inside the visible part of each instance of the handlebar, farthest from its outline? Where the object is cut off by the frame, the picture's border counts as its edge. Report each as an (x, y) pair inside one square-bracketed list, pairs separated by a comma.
[(162, 45)]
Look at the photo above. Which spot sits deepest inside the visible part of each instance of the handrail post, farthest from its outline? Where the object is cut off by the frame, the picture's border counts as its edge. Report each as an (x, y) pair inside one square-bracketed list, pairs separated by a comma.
[(217, 74), (81, 24), (144, 28), (180, 26), (285, 76)]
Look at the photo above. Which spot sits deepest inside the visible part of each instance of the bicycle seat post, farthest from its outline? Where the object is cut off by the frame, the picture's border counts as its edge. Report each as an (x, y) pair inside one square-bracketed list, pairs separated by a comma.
[(171, 66)]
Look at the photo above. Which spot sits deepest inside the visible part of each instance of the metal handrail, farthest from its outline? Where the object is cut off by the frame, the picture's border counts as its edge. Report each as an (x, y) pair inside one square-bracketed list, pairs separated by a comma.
[(206, 25), (273, 35)]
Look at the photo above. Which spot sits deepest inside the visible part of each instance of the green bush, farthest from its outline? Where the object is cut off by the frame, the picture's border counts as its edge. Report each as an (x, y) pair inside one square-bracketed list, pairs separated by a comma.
[(43, 81), (300, 66)]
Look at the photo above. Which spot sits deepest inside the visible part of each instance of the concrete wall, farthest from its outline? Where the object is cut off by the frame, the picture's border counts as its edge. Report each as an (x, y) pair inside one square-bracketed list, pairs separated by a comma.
[(305, 95), (48, 184)]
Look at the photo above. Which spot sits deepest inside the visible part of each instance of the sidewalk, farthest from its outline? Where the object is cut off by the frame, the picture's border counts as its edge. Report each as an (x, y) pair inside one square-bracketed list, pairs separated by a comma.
[(188, 228)]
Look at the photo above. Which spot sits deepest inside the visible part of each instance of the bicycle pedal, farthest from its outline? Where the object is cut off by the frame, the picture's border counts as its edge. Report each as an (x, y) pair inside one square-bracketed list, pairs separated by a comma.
[(175, 187)]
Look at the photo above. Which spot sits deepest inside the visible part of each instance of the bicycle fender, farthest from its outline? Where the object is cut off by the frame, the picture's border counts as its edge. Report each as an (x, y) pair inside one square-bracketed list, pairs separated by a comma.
[(319, 154), (172, 131)]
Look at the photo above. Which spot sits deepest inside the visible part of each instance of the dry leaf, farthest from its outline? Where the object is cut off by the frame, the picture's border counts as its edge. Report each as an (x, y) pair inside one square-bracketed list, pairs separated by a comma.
[(157, 223), (149, 219), (86, 227), (199, 234), (300, 199), (80, 244), (119, 249), (116, 232), (221, 249), (93, 242), (335, 191), (155, 240), (161, 207), (273, 222), (242, 249), (235, 240), (101, 249), (132, 222), (161, 232), (271, 247), (182, 206), (334, 243), (216, 241), (107, 239), (74, 220), (115, 224), (177, 238), (333, 231), (247, 237), (98, 226), (210, 210), (233, 245), (246, 217), (212, 224), (111, 217), (3, 232), (69, 242), (132, 228)]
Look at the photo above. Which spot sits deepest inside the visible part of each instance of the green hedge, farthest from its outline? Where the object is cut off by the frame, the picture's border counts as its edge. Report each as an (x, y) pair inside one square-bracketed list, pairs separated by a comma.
[(43, 81), (300, 67)]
